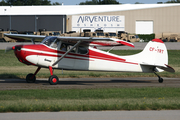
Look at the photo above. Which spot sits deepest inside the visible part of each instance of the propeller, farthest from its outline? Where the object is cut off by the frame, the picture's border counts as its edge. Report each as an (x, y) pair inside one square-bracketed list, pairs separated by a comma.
[(9, 48)]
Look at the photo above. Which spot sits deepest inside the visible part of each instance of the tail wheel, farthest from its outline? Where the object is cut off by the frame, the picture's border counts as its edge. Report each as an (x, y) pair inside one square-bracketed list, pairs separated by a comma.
[(30, 78), (53, 80), (160, 80)]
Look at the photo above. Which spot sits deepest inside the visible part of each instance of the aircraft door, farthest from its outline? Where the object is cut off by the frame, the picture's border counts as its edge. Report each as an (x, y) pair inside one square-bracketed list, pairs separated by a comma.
[(68, 61), (82, 58)]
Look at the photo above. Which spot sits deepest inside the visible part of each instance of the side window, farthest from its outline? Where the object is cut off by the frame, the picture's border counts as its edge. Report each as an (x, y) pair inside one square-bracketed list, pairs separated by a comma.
[(73, 50), (82, 50), (63, 47), (78, 50)]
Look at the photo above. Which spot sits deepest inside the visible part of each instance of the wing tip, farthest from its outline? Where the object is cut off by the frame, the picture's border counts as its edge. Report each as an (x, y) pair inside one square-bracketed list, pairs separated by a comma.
[(126, 43)]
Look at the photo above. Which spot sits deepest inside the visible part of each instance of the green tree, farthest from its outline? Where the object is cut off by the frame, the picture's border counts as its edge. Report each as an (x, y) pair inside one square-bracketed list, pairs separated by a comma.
[(3, 3), (173, 1), (27, 2), (93, 2), (108, 2), (56, 3), (138, 3), (99, 2)]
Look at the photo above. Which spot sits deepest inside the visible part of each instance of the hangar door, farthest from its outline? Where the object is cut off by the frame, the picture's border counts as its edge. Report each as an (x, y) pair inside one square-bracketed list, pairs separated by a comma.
[(144, 27)]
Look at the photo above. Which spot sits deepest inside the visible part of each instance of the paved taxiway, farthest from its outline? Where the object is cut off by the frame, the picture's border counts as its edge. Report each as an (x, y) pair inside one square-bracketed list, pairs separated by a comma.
[(84, 83), (95, 115)]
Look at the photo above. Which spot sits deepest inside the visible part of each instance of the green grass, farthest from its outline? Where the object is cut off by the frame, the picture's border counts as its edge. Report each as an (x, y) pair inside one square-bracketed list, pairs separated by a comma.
[(10, 67), (86, 99), (90, 99)]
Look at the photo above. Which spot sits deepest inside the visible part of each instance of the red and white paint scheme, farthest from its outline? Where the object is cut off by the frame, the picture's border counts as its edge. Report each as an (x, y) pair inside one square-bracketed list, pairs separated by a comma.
[(80, 53)]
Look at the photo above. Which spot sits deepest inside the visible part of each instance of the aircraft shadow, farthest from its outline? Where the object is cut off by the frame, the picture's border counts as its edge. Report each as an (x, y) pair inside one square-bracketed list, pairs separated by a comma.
[(75, 82), (100, 81)]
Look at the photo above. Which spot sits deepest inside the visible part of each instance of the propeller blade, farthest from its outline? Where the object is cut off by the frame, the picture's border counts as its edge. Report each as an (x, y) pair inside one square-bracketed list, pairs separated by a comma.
[(9, 48)]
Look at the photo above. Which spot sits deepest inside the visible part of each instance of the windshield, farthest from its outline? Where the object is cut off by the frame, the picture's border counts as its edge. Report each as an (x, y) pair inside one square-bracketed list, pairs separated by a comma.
[(50, 41)]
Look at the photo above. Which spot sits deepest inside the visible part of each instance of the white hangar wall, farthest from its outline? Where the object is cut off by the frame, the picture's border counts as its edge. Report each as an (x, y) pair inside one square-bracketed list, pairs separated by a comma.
[(129, 17), (162, 19)]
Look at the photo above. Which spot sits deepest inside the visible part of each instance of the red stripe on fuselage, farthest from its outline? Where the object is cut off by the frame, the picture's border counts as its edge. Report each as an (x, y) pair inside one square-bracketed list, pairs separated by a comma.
[(89, 56)]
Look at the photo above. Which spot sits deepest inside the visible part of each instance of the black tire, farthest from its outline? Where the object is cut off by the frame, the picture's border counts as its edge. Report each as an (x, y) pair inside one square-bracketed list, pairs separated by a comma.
[(160, 80), (53, 80), (29, 78)]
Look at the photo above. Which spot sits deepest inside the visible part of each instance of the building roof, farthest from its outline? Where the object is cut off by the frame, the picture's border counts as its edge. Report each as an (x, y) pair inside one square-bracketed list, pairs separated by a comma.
[(75, 9)]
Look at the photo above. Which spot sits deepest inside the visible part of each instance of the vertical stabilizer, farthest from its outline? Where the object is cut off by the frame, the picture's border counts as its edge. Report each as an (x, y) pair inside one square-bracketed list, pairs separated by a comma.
[(154, 54)]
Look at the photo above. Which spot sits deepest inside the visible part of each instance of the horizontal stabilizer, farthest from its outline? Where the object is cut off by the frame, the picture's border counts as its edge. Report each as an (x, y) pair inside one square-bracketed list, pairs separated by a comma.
[(163, 67)]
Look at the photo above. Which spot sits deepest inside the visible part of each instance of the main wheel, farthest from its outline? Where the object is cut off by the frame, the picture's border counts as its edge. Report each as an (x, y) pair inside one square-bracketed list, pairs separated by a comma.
[(53, 80), (160, 80), (30, 78)]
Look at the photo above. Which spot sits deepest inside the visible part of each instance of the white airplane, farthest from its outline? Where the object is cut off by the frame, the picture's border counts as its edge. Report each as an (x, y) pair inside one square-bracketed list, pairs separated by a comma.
[(80, 53)]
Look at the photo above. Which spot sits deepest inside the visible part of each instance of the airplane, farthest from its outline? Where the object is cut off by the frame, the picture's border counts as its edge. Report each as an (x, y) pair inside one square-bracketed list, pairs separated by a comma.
[(81, 53)]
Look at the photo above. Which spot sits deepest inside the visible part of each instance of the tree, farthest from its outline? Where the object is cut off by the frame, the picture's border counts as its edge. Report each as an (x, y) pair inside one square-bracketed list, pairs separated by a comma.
[(173, 1), (25, 2), (138, 3), (56, 3), (108, 2), (99, 2), (93, 2), (3, 3)]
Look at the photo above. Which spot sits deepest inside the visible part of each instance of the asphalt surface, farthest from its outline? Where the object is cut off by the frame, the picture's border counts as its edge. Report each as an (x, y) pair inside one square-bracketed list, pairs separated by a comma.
[(90, 83), (95, 115), (138, 46)]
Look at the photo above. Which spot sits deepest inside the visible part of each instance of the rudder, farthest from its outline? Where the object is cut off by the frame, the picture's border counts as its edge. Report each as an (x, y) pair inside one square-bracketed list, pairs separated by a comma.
[(154, 54)]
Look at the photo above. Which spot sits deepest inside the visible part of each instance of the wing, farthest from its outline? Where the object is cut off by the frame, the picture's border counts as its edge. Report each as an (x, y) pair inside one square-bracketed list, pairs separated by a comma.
[(95, 41), (88, 41), (22, 37)]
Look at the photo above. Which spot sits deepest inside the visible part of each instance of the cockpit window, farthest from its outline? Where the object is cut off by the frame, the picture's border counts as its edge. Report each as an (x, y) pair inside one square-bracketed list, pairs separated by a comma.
[(78, 49), (51, 41), (82, 50)]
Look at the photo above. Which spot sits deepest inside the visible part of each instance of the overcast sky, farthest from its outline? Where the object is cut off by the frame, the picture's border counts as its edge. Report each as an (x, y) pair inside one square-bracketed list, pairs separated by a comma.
[(76, 2)]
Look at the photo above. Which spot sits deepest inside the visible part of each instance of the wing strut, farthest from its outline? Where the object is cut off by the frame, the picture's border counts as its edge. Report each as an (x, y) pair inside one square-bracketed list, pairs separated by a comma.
[(66, 53), (32, 40)]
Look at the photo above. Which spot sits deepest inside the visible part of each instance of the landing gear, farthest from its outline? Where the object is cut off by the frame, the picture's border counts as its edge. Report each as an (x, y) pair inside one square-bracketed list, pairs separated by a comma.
[(160, 78), (53, 79), (30, 78)]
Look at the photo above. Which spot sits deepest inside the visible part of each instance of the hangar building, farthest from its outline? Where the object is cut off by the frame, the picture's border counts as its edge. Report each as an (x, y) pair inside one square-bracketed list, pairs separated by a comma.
[(133, 18)]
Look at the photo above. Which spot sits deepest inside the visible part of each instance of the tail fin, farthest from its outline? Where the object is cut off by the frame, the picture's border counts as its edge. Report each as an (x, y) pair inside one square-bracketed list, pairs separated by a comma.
[(155, 54)]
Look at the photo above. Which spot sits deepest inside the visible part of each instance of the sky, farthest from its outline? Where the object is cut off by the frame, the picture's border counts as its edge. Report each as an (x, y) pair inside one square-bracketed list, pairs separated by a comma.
[(76, 2)]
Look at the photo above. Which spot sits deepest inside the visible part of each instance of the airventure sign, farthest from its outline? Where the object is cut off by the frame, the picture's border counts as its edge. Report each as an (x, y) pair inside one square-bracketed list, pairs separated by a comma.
[(108, 23)]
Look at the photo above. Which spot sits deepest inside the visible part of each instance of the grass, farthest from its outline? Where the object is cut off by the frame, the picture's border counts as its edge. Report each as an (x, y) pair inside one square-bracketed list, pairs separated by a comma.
[(10, 67), (86, 99), (90, 99)]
